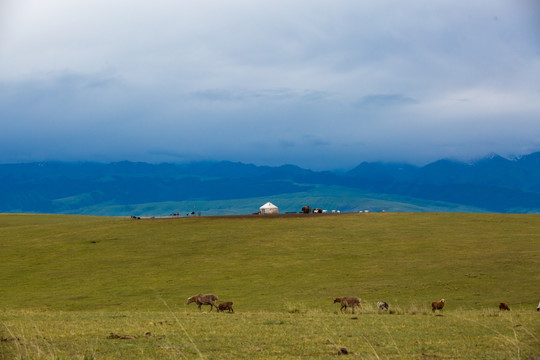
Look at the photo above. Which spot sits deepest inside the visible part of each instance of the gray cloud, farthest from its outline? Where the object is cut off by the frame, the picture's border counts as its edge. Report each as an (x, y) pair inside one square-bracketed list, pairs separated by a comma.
[(386, 100), (266, 95), (268, 82)]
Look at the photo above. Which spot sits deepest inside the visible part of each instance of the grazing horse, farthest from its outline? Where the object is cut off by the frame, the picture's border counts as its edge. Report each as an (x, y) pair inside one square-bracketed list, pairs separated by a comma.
[(437, 305), (203, 299), (227, 305), (348, 301), (383, 306)]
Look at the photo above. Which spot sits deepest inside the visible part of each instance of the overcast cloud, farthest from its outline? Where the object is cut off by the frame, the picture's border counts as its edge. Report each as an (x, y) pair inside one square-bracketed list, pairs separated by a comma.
[(320, 84)]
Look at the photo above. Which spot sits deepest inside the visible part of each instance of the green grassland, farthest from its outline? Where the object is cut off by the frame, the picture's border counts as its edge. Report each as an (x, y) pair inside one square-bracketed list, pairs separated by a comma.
[(68, 282), (320, 196)]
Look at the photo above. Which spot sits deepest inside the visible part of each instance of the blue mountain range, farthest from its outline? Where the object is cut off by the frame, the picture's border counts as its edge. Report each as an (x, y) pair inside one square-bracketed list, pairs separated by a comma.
[(492, 184)]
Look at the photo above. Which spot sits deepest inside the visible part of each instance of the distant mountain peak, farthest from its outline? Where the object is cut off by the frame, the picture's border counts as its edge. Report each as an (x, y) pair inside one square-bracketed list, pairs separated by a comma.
[(492, 158)]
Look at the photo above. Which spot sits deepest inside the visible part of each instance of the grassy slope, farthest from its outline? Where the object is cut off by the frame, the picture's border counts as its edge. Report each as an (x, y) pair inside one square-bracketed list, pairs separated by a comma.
[(74, 263), (325, 197), (66, 282)]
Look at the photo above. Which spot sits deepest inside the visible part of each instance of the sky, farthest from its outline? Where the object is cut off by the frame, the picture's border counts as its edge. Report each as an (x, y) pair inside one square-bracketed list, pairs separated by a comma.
[(320, 84)]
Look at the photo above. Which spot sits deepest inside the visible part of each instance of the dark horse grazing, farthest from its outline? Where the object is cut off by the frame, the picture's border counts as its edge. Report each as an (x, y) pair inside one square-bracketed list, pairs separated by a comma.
[(203, 299), (227, 305), (437, 305), (306, 209)]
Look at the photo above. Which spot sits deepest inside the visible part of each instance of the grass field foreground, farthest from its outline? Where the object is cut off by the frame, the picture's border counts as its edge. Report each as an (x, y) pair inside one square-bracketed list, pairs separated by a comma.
[(68, 282), (261, 335)]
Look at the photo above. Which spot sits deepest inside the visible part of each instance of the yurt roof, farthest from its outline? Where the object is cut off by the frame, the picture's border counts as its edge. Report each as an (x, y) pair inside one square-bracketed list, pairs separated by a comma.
[(268, 205)]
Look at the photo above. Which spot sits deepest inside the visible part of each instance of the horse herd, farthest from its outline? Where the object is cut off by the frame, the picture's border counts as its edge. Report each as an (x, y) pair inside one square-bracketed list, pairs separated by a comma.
[(210, 299), (345, 302)]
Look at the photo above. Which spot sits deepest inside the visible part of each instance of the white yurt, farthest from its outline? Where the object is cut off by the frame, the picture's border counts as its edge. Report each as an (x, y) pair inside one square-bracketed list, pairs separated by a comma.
[(268, 208)]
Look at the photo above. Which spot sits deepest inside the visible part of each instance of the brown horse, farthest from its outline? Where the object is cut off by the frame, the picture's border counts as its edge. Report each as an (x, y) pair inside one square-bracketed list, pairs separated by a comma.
[(437, 305), (203, 299), (348, 301), (227, 305)]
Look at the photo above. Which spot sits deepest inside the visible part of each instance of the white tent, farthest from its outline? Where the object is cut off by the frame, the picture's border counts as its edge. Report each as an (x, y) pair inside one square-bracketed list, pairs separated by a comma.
[(268, 208)]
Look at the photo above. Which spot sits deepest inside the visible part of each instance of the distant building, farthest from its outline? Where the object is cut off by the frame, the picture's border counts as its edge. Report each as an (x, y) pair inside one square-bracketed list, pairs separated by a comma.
[(268, 209)]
